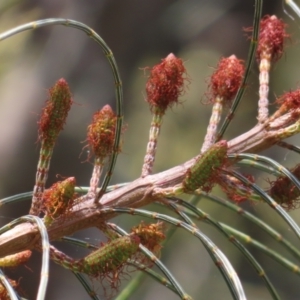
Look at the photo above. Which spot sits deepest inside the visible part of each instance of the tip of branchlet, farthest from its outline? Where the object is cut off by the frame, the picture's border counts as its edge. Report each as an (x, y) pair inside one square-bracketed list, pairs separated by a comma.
[(227, 78), (55, 112), (101, 132), (165, 83), (271, 38)]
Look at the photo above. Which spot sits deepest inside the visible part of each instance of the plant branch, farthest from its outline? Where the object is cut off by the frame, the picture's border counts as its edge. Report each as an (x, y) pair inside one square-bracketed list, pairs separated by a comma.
[(138, 193)]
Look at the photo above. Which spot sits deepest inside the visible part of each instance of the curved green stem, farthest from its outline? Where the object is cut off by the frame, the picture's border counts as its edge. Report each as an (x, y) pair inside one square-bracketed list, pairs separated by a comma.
[(261, 224), (269, 200), (251, 55), (5, 282), (117, 78), (45, 249), (273, 254), (216, 254), (158, 263), (204, 216)]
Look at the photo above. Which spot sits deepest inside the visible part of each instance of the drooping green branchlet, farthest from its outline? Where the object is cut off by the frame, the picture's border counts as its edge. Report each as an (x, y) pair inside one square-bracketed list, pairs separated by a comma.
[(58, 199), (271, 40), (52, 120), (203, 174)]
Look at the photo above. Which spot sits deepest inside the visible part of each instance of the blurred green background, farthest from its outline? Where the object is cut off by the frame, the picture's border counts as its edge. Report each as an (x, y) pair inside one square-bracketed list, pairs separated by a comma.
[(140, 34)]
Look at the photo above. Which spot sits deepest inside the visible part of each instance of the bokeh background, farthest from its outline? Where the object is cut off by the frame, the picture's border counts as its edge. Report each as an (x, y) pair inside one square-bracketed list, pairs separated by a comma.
[(140, 34)]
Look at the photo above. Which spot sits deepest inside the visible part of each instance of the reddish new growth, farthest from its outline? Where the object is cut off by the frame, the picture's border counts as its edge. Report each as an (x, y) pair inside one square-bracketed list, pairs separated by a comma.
[(58, 199), (4, 295), (236, 190), (227, 78), (271, 38), (165, 83), (55, 112), (289, 101), (284, 192), (101, 132), (151, 236)]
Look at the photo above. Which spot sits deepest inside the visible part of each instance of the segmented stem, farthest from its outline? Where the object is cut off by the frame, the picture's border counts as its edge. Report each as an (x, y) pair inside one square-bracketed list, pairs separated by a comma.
[(7, 291), (162, 280), (270, 48), (94, 182), (255, 220), (41, 178), (64, 260), (211, 131), (216, 254), (45, 248), (271, 253), (178, 289), (263, 102), (204, 216), (152, 144)]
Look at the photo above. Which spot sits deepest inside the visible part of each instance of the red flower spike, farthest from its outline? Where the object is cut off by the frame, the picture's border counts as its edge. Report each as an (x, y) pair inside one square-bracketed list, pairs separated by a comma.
[(271, 38), (165, 83), (151, 235), (289, 101), (227, 78), (284, 191), (236, 190), (101, 133), (59, 198), (54, 115)]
